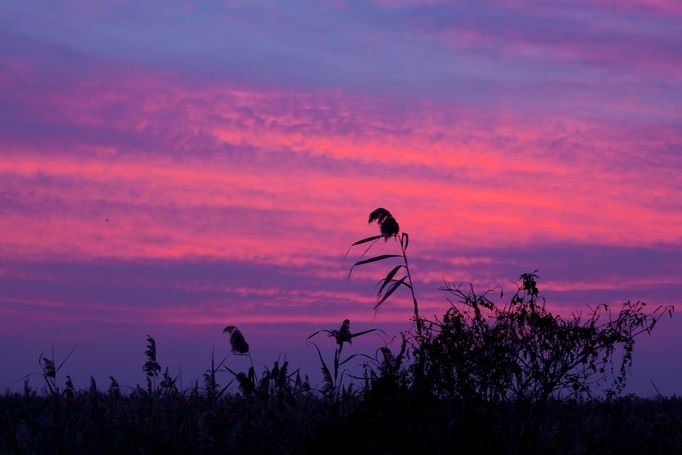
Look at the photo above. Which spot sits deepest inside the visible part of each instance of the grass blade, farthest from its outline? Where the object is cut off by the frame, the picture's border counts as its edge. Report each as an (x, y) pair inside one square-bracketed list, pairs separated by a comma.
[(318, 331), (391, 290), (357, 334), (389, 277), (66, 358), (368, 239), (376, 258), (326, 374)]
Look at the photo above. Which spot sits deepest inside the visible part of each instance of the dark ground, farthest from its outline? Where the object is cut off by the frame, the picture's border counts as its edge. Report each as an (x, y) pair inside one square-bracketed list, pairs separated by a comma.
[(92, 421)]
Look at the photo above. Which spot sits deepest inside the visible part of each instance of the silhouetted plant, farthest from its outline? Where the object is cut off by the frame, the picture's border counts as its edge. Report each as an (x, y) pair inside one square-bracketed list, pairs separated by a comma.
[(151, 367), (49, 373), (278, 383), (390, 228), (343, 335), (211, 387), (247, 382), (333, 379), (482, 352), (69, 389), (238, 343), (114, 388), (168, 383), (49, 370), (92, 389), (386, 373)]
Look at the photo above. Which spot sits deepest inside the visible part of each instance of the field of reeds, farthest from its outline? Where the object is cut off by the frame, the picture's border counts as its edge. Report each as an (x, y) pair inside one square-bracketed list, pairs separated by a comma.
[(375, 421), (486, 377)]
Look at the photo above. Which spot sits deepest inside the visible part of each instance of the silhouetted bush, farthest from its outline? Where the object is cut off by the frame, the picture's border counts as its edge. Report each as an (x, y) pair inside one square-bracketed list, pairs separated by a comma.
[(482, 353)]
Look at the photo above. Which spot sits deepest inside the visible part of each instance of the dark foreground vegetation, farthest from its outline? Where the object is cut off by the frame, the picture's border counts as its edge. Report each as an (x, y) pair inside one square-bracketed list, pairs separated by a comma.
[(94, 422), (486, 377)]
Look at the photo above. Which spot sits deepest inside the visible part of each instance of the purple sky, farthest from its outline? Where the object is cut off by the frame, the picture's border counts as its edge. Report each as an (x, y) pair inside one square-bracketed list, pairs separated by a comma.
[(173, 167)]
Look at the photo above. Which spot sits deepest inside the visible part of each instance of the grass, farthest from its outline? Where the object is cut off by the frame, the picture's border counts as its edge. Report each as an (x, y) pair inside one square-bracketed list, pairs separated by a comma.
[(94, 421), (487, 377)]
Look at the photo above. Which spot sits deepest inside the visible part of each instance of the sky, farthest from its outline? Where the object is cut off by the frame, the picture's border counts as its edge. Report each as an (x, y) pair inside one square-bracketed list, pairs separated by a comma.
[(172, 167)]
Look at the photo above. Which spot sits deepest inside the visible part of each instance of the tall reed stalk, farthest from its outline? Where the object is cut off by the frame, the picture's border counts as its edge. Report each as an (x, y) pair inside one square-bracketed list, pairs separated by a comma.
[(390, 228)]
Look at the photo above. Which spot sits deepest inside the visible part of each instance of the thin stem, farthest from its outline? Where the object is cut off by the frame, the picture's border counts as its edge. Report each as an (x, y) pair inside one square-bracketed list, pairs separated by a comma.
[(414, 298), (255, 377)]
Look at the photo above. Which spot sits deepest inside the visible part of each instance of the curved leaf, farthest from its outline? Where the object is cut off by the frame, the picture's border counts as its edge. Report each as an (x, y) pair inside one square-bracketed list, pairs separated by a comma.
[(326, 374), (376, 258), (329, 332), (389, 277), (391, 290), (368, 239), (357, 334)]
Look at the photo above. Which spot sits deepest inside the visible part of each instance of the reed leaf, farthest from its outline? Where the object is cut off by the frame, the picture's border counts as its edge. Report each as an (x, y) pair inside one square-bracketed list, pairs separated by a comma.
[(376, 258), (390, 291), (326, 374), (368, 239), (388, 278)]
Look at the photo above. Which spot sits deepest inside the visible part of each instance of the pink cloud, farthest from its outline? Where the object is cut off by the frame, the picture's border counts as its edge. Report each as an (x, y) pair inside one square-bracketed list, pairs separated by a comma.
[(551, 178)]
